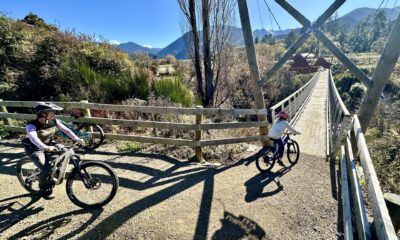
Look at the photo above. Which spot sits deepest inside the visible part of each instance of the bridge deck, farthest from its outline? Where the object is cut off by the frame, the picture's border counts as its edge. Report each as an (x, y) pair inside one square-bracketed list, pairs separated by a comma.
[(162, 197), (312, 122)]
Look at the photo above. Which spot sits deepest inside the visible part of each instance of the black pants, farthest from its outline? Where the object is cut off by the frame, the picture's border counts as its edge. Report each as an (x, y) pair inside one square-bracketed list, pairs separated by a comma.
[(42, 162), (39, 159)]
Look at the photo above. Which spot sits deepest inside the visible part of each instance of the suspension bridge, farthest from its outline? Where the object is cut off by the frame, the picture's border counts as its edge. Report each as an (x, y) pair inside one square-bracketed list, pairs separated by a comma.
[(163, 197)]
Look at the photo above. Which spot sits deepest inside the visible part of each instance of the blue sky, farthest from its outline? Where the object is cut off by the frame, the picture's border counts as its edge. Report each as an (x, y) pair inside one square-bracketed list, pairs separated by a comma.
[(155, 23)]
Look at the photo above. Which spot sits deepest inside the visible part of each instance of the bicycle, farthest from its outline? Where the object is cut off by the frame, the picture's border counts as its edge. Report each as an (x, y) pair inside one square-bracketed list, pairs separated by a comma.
[(85, 131), (268, 155), (91, 178)]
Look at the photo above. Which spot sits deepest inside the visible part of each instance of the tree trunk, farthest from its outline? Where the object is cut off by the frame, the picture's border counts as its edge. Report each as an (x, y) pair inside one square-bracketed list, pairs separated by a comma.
[(208, 72), (197, 65)]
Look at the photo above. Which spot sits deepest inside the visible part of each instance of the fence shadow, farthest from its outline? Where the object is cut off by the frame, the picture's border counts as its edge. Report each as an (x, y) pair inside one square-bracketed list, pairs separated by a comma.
[(44, 229), (14, 209)]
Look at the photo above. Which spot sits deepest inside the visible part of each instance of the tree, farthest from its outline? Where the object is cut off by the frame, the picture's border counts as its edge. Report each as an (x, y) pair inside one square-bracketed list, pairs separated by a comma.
[(268, 39), (33, 19), (290, 39), (215, 18), (188, 9)]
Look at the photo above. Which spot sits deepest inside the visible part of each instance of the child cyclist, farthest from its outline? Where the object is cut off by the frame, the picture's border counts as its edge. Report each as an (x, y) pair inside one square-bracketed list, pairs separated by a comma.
[(276, 131), (40, 133)]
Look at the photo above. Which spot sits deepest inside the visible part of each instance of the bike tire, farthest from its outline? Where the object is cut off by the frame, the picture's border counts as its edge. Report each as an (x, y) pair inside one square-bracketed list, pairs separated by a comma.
[(75, 176), (265, 160), (91, 144), (23, 179), (293, 152)]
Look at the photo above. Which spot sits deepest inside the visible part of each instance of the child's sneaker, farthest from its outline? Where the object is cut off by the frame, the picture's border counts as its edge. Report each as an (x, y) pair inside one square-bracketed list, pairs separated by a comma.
[(281, 163)]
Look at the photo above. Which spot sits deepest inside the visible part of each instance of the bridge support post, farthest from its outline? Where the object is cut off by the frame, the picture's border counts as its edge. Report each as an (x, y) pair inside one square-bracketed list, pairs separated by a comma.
[(381, 76), (252, 60), (7, 121)]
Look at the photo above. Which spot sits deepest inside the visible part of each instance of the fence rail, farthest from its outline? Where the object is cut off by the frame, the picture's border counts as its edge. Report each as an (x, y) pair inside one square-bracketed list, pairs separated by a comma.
[(296, 101), (293, 104), (348, 133)]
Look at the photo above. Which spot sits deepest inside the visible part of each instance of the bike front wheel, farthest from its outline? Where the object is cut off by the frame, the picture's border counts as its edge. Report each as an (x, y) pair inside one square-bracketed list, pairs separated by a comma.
[(265, 160), (293, 152), (93, 185), (28, 175), (92, 133)]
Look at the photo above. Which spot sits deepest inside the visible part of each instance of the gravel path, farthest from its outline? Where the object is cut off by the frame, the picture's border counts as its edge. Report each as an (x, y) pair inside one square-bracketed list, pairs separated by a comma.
[(165, 198)]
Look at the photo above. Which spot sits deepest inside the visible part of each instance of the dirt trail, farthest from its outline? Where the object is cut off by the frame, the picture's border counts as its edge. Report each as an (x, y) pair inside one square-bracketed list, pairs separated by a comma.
[(165, 198)]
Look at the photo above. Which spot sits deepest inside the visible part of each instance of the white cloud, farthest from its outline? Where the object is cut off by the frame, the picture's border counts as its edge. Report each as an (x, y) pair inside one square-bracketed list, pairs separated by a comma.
[(148, 46), (115, 42)]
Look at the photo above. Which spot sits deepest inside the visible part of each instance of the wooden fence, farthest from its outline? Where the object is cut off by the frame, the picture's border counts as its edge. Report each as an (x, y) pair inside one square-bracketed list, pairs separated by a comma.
[(355, 147), (293, 104)]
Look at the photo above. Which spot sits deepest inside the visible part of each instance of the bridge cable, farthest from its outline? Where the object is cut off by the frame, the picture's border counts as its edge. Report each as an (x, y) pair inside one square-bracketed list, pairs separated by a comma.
[(380, 5), (269, 9), (259, 14), (394, 6)]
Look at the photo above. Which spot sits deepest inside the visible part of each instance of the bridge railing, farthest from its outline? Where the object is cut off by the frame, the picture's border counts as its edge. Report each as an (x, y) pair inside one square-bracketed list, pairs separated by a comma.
[(353, 148), (338, 118), (295, 101)]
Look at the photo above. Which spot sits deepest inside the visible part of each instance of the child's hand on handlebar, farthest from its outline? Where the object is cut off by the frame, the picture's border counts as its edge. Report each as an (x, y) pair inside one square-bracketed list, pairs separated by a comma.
[(80, 142), (51, 149)]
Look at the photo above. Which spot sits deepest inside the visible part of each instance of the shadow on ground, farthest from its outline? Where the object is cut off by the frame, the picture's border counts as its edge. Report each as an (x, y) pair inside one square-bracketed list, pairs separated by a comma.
[(235, 226)]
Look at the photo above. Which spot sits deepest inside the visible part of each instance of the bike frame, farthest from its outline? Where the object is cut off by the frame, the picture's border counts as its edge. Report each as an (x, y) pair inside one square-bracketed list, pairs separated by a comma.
[(65, 158)]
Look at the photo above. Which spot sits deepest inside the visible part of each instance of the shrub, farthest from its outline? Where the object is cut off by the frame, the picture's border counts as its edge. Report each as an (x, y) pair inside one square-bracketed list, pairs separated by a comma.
[(174, 89), (129, 147)]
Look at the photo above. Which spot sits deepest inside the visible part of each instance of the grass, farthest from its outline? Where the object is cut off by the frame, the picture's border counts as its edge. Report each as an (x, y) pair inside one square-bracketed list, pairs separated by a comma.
[(129, 147)]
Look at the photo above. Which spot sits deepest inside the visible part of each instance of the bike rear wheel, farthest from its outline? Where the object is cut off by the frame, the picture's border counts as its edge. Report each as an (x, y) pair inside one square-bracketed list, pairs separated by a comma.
[(293, 152), (265, 160), (28, 175), (92, 139), (93, 186)]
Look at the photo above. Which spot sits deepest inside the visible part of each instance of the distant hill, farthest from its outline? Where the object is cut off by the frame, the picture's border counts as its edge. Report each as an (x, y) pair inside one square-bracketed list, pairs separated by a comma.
[(178, 47), (134, 48), (358, 15)]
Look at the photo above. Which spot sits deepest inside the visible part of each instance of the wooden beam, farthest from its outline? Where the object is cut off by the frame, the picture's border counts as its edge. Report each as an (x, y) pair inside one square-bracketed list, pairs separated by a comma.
[(358, 200), (347, 227), (143, 109), (381, 76), (382, 222), (303, 37), (148, 124), (328, 12), (296, 14), (252, 61), (288, 54), (342, 57)]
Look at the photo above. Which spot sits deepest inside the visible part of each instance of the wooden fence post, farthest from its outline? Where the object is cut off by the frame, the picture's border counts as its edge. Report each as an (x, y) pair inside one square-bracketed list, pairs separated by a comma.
[(7, 121), (86, 113), (199, 155)]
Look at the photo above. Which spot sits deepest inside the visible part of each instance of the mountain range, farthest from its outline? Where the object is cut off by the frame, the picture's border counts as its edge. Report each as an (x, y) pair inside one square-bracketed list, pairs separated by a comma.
[(179, 50)]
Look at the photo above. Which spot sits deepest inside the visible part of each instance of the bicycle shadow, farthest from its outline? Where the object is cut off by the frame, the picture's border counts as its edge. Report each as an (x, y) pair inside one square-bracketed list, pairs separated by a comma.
[(46, 228), (240, 227), (255, 185), (13, 210)]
